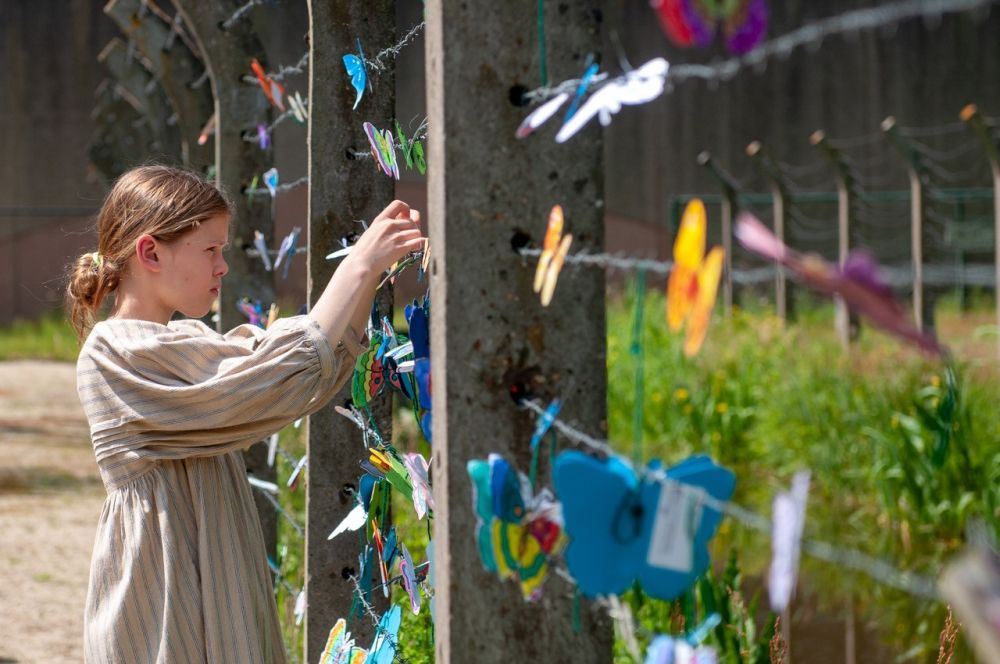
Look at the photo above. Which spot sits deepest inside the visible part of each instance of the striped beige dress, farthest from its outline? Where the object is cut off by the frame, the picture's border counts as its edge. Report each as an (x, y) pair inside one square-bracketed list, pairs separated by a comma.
[(179, 572)]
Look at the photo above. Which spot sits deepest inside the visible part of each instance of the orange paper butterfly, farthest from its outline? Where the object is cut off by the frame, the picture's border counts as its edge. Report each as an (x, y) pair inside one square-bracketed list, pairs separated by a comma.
[(694, 280), (554, 250), (273, 90)]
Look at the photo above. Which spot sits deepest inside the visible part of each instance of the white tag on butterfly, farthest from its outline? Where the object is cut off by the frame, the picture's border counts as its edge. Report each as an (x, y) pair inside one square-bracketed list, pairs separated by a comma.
[(671, 545)]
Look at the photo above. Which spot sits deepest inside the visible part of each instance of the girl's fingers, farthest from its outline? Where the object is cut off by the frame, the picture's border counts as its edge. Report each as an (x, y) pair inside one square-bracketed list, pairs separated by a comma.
[(395, 210)]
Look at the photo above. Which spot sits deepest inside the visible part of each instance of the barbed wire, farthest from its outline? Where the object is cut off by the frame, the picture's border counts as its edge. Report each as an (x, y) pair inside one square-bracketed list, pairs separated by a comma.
[(376, 619), (254, 137), (241, 12), (294, 184), (283, 71), (393, 51), (281, 510), (938, 130), (879, 570)]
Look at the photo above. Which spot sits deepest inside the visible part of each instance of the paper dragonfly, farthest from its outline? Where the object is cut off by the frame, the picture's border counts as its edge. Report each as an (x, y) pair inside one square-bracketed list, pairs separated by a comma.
[(263, 137), (555, 246), (623, 528), (694, 280), (355, 66), (340, 648), (273, 90), (788, 520), (743, 23), (516, 531), (635, 87), (856, 281), (289, 246)]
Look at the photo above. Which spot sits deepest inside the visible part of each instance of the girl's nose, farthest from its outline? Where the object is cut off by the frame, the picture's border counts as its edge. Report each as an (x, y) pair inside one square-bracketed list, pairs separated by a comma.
[(222, 268)]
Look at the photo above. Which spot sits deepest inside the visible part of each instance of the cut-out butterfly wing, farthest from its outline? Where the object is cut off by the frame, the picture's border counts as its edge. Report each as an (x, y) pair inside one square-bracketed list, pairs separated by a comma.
[(383, 149), (355, 67), (694, 280), (273, 90), (613, 522)]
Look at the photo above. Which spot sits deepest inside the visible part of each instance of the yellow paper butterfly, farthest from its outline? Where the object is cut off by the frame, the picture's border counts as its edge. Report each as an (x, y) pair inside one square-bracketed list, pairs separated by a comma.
[(694, 280), (554, 250)]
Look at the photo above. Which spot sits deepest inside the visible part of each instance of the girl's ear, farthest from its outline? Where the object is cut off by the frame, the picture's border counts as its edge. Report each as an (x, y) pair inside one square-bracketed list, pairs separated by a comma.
[(146, 248)]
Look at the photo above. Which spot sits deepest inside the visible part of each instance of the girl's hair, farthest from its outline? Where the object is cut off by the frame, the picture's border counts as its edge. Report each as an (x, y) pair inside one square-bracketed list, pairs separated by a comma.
[(161, 201)]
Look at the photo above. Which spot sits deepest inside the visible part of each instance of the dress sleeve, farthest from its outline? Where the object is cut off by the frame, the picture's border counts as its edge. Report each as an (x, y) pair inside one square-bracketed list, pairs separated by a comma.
[(185, 390)]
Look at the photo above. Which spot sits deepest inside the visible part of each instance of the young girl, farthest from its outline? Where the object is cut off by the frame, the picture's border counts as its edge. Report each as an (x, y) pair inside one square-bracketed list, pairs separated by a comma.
[(179, 571)]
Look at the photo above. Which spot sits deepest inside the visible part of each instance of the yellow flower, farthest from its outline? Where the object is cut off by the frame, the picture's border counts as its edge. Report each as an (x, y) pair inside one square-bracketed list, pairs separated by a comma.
[(681, 394), (722, 407), (936, 381)]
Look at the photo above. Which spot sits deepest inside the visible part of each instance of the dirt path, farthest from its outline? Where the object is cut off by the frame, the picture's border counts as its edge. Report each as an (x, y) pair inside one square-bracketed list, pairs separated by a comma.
[(50, 499)]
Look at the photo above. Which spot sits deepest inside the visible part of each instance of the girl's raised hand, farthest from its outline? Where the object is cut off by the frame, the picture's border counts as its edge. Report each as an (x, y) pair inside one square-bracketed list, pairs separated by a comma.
[(393, 234)]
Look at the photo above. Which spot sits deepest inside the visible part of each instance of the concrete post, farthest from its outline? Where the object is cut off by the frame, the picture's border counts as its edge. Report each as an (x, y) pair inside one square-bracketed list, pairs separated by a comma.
[(341, 191), (488, 330)]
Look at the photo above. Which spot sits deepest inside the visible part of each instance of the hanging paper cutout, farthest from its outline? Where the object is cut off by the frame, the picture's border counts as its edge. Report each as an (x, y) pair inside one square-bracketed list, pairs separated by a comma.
[(417, 316), (787, 521), (857, 281), (289, 246), (554, 249), (383, 149), (298, 107), (638, 86), (263, 137), (516, 531), (271, 180), (260, 244), (694, 280), (207, 130), (253, 310), (356, 518), (423, 497), (413, 150), (355, 66), (743, 23), (383, 649), (406, 570), (623, 529), (340, 648), (581, 89), (273, 90)]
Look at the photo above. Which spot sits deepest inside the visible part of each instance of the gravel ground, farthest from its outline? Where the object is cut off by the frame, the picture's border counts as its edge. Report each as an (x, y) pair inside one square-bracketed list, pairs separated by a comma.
[(50, 500)]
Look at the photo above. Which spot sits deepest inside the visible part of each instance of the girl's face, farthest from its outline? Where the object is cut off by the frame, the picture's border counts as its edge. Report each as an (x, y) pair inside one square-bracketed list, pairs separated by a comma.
[(193, 267)]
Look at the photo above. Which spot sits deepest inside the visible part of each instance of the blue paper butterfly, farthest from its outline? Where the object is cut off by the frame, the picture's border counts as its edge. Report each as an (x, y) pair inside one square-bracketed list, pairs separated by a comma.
[(416, 316), (617, 526), (355, 66)]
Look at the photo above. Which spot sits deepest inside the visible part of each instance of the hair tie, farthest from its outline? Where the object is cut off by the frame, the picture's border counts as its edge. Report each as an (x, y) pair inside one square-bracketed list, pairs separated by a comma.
[(97, 259)]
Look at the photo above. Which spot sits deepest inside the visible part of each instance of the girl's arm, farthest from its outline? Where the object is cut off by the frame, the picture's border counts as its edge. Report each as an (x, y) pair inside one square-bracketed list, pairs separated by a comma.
[(347, 299)]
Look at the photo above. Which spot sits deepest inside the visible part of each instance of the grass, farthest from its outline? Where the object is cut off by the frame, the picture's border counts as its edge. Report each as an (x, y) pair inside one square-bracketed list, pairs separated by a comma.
[(48, 338)]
